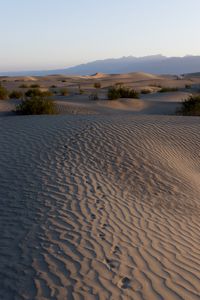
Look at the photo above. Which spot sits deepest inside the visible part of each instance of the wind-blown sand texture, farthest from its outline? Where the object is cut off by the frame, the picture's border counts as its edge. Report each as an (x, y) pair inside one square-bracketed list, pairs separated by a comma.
[(99, 207), (102, 204)]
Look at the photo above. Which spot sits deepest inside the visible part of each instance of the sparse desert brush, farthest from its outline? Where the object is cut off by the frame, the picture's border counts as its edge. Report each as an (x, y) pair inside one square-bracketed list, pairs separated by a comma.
[(122, 92), (97, 85), (36, 105), (94, 97), (3, 93), (188, 86), (168, 89), (37, 93), (119, 83), (190, 106), (113, 93), (23, 86), (145, 91), (54, 86), (35, 86), (64, 92), (16, 95), (81, 91)]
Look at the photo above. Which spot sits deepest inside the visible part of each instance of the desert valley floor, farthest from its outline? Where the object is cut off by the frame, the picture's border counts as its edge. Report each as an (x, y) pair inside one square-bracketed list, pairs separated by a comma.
[(103, 200)]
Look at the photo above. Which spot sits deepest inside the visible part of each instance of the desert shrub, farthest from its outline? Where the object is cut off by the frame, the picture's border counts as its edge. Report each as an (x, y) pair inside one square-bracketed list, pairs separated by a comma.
[(81, 91), (190, 106), (119, 83), (97, 85), (3, 93), (121, 92), (168, 89), (38, 93), (35, 86), (36, 105), (188, 86), (113, 93), (94, 96), (16, 95), (64, 92), (53, 86), (145, 91), (23, 86)]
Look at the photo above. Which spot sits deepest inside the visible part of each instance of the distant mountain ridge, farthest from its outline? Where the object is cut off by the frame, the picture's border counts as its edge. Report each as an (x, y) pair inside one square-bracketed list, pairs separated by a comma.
[(155, 64)]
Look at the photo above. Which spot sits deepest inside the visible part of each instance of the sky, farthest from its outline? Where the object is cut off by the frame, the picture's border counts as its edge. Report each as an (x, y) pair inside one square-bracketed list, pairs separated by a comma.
[(49, 34)]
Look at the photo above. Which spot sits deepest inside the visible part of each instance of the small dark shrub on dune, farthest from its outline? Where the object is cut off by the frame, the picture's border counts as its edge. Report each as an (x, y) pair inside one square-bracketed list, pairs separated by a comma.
[(38, 93), (188, 86), (97, 85), (64, 92), (168, 89), (121, 92), (23, 86), (113, 93), (3, 93), (35, 86), (190, 107), (145, 91), (16, 95), (53, 86), (36, 105)]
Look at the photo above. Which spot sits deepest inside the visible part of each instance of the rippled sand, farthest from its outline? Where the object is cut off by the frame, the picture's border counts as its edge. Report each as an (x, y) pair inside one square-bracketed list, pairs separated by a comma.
[(97, 207)]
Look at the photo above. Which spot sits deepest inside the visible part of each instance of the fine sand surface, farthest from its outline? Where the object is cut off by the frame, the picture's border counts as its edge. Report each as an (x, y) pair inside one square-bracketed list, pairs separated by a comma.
[(101, 201), (99, 207)]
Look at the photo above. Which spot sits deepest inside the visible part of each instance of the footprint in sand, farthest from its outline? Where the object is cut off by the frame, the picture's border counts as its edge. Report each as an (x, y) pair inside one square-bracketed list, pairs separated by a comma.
[(125, 283), (116, 250), (111, 263), (104, 226), (93, 217), (102, 235)]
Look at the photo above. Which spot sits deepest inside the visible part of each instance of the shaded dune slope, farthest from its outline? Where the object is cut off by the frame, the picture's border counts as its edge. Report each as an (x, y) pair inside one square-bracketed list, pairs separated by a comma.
[(99, 208)]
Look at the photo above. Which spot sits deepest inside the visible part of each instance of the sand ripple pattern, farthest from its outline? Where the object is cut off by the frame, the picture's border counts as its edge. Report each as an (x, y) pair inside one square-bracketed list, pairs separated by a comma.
[(99, 208)]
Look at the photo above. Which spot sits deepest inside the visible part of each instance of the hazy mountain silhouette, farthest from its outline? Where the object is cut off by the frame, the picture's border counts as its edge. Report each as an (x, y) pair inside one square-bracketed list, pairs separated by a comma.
[(156, 64)]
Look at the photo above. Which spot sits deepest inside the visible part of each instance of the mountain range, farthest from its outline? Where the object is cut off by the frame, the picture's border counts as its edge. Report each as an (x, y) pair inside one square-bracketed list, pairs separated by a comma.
[(155, 64)]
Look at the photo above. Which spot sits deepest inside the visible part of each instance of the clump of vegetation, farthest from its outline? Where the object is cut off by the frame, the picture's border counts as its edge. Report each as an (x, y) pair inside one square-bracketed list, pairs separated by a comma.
[(122, 92), (16, 95), (188, 86), (3, 93), (145, 91), (37, 93), (36, 105), (94, 97), (97, 85), (64, 92), (168, 89), (119, 83), (190, 106), (54, 86), (23, 86), (35, 86)]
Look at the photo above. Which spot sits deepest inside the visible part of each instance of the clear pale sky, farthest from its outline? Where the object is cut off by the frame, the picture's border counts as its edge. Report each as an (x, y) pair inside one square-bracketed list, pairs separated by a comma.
[(45, 34)]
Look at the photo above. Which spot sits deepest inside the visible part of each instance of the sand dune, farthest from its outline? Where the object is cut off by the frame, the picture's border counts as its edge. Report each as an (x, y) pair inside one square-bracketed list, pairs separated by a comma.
[(99, 207)]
